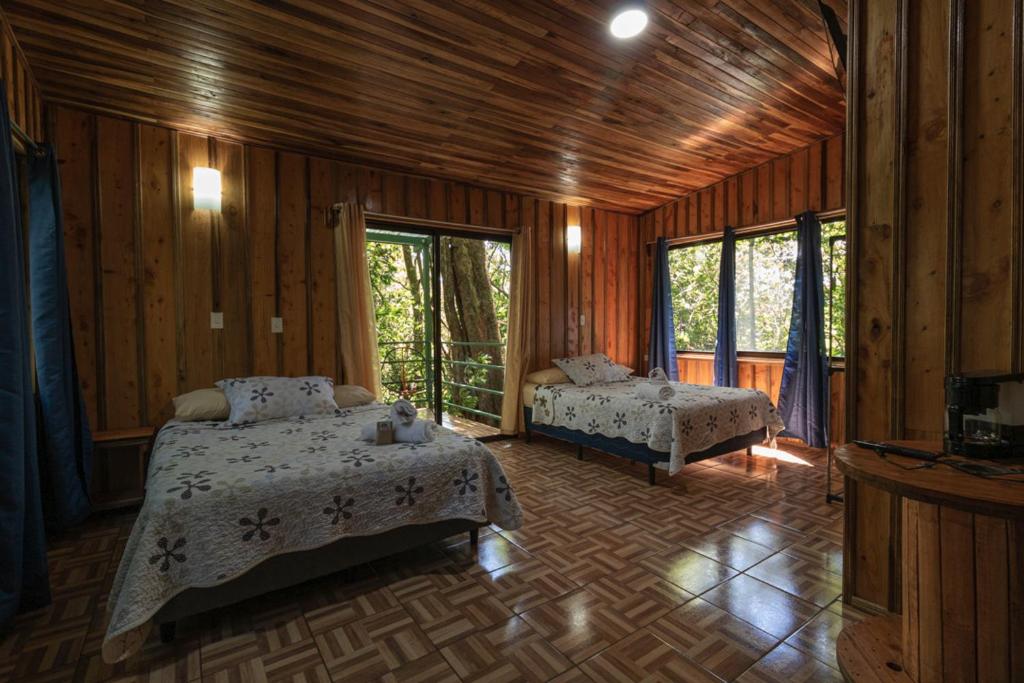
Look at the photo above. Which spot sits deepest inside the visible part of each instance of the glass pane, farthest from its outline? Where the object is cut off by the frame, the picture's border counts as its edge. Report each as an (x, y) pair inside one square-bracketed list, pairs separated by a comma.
[(833, 259), (693, 272), (765, 273), (400, 279), (474, 326)]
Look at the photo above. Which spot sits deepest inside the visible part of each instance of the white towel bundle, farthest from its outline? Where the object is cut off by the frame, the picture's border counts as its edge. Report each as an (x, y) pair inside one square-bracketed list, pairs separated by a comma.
[(658, 388), (407, 429)]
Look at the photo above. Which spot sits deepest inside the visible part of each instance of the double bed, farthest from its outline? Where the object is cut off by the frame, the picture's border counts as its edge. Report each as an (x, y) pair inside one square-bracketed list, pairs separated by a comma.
[(233, 513), (698, 422)]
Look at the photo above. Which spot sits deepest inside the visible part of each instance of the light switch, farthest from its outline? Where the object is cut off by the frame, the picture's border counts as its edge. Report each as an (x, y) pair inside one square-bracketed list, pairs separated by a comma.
[(216, 320), (276, 325), (583, 320)]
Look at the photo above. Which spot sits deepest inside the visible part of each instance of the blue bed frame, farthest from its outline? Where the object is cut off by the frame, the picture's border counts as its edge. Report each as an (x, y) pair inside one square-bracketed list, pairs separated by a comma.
[(635, 451)]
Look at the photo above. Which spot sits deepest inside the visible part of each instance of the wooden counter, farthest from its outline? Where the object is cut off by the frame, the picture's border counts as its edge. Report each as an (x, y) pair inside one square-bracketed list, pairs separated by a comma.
[(962, 587)]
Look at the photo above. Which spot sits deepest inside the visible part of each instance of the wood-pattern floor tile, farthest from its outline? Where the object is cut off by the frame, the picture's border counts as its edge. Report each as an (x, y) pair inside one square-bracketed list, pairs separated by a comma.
[(451, 613), (728, 549), (584, 561), (433, 668), (785, 664), (511, 651), (763, 532), (639, 595), (688, 569), (298, 662), (645, 657), (369, 648), (805, 579), (525, 585), (720, 642), (764, 606), (580, 624), (493, 552), (820, 548)]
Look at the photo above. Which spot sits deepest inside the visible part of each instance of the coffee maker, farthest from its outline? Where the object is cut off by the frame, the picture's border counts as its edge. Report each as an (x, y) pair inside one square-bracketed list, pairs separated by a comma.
[(985, 415)]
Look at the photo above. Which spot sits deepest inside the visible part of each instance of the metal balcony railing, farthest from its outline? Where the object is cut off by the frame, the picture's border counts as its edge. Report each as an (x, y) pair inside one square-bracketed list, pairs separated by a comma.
[(407, 370)]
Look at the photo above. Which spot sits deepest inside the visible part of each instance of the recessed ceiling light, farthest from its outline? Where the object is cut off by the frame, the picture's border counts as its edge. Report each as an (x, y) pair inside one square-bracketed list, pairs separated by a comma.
[(628, 23)]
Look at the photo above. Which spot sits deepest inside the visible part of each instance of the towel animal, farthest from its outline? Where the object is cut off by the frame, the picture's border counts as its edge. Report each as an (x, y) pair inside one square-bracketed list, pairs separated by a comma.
[(655, 391), (407, 429), (657, 375), (403, 412), (420, 431)]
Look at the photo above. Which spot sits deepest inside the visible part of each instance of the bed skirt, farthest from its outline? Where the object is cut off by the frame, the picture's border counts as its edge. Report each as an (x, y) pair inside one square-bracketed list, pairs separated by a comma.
[(637, 452)]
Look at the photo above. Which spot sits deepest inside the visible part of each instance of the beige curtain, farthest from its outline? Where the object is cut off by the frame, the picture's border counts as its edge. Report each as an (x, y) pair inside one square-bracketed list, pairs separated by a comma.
[(521, 316), (357, 326)]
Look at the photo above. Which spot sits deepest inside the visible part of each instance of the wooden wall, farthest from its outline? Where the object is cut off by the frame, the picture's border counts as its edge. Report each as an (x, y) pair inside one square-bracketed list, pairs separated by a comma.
[(23, 98), (146, 270), (811, 178), (936, 96)]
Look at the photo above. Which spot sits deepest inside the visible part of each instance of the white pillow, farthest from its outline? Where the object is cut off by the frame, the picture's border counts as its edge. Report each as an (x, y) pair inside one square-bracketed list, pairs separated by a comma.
[(253, 399), (617, 373), (548, 376), (201, 404), (592, 369)]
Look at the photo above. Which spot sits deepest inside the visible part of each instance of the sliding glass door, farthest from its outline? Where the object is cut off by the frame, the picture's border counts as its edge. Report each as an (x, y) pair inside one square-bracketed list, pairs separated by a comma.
[(441, 305)]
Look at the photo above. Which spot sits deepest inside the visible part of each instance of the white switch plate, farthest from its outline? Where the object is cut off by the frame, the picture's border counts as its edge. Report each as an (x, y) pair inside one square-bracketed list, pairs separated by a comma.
[(583, 320), (276, 325), (216, 320)]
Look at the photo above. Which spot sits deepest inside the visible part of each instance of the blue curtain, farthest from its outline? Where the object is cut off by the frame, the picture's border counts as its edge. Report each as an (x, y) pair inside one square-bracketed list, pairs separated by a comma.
[(65, 440), (803, 397), (726, 371), (24, 580), (662, 350)]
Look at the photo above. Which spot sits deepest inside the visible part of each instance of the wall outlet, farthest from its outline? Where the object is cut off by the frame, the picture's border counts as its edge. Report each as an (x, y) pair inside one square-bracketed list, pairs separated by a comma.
[(583, 320), (276, 325), (216, 320)]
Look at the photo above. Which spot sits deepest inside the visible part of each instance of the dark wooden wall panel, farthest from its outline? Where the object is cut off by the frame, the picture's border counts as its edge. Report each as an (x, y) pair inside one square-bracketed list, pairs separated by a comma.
[(24, 101), (937, 219), (149, 270)]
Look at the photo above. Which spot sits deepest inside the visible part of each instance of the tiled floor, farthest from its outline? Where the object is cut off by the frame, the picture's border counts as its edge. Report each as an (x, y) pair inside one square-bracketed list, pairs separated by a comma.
[(728, 571)]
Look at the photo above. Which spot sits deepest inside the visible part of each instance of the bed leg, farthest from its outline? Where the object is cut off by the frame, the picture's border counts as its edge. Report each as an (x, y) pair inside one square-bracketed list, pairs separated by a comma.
[(474, 538), (579, 451), (167, 631), (650, 474), (529, 435)]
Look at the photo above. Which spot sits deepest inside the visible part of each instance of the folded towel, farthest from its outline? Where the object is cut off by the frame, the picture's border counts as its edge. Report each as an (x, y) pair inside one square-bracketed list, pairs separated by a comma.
[(368, 432), (657, 375), (403, 412), (655, 391), (420, 431)]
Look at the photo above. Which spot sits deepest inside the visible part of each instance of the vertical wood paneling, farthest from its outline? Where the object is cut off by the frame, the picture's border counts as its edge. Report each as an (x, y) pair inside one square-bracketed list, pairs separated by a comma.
[(323, 291), (115, 145), (74, 133), (291, 262), (156, 231), (231, 344), (195, 237), (262, 203), (987, 173), (269, 253)]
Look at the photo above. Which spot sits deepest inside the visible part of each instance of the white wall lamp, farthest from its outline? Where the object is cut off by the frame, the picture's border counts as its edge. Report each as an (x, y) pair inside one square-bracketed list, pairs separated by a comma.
[(205, 188), (573, 238)]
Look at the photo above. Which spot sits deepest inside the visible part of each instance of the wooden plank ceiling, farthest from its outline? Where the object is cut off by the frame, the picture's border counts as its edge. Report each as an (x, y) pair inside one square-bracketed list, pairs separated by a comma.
[(533, 96)]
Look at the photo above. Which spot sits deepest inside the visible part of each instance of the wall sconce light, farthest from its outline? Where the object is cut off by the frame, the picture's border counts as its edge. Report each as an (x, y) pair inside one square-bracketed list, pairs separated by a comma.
[(573, 238), (205, 188)]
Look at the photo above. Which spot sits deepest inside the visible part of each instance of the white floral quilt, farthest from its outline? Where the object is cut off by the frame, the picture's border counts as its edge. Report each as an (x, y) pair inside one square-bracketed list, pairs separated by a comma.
[(696, 418), (219, 502)]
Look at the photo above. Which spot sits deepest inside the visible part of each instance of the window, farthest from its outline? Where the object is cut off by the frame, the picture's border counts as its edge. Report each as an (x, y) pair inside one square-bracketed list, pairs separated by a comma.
[(765, 272), (693, 272)]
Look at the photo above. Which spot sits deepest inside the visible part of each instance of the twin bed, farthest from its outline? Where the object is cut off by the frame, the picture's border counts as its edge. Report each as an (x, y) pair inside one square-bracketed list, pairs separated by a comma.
[(698, 422)]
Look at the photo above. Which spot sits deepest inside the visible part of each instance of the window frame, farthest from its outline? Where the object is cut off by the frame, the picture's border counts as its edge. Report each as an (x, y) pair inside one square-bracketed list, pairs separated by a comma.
[(752, 233)]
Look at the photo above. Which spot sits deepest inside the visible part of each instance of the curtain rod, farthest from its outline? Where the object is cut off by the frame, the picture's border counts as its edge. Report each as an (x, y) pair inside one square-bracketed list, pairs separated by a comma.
[(760, 228), (393, 219)]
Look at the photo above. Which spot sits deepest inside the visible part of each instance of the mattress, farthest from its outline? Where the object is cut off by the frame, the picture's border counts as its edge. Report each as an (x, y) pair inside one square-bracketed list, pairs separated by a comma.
[(695, 419), (221, 501)]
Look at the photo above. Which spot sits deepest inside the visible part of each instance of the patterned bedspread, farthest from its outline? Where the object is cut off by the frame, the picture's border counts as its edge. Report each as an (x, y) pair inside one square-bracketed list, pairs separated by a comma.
[(219, 502), (695, 419)]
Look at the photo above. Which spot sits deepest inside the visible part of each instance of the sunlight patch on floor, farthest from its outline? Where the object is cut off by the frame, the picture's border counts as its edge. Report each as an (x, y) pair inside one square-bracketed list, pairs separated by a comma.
[(780, 455)]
